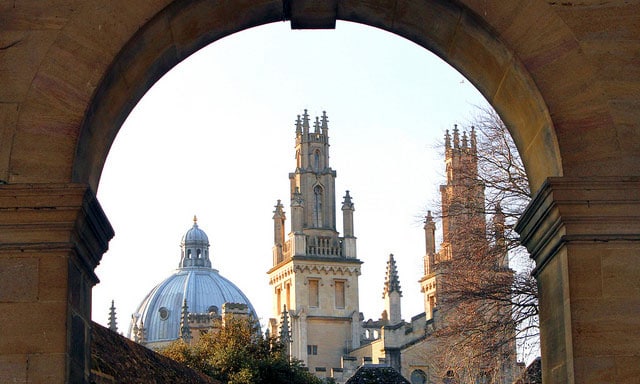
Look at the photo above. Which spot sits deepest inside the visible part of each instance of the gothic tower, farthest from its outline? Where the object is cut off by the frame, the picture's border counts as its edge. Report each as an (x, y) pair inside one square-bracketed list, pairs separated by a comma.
[(463, 213), (315, 271)]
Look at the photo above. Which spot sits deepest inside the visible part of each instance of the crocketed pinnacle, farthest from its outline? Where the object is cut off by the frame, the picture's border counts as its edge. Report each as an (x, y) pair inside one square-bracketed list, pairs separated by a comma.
[(392, 281)]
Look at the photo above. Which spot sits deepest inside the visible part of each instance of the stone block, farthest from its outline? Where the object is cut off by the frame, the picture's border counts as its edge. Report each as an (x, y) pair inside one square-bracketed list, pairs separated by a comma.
[(47, 368), (19, 279), (37, 327), (13, 368)]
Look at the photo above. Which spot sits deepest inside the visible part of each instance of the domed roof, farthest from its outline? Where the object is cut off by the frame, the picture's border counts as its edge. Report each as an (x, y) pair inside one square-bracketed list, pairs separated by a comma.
[(203, 288), (195, 235), (205, 291)]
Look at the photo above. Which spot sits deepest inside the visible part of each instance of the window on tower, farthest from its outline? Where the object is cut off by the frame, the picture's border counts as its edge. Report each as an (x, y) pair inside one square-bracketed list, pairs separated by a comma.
[(339, 287), (314, 296), (317, 206), (316, 160)]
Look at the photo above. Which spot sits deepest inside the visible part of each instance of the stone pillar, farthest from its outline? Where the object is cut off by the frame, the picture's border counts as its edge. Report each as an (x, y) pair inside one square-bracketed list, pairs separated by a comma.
[(52, 236), (584, 234)]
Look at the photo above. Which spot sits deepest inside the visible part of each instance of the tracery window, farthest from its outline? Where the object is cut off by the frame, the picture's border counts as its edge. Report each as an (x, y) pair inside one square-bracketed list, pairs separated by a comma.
[(317, 206)]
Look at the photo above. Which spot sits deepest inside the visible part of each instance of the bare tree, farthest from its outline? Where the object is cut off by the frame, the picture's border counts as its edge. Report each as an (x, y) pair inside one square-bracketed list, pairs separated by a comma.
[(488, 309)]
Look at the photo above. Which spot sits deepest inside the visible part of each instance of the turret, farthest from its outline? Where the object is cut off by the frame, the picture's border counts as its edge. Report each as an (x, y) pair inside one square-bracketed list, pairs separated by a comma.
[(392, 294), (499, 236), (349, 240), (430, 243), (279, 219)]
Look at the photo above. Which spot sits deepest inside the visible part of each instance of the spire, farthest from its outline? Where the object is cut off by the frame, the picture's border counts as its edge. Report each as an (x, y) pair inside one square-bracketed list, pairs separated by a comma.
[(113, 325), (185, 331), (392, 294), (298, 126), (447, 140), (305, 122), (392, 281), (456, 137), (325, 121), (285, 332)]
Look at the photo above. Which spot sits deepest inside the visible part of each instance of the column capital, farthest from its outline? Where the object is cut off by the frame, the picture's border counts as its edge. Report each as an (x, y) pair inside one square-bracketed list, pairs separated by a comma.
[(580, 209), (42, 217)]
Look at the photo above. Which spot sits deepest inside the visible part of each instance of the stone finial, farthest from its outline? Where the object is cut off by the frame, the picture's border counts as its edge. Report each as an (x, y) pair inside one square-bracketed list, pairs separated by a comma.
[(392, 281), (195, 220), (456, 137), (347, 203), (447, 140), (298, 126), (325, 121), (297, 200), (278, 212), (465, 142), (113, 325), (305, 122), (316, 125)]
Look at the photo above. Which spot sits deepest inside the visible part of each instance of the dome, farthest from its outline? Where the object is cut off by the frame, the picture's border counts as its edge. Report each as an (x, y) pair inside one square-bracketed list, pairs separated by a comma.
[(203, 288), (205, 291)]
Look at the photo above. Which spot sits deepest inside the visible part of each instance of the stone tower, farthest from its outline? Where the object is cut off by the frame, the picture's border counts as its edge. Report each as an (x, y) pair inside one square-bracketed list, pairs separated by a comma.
[(463, 213), (315, 271)]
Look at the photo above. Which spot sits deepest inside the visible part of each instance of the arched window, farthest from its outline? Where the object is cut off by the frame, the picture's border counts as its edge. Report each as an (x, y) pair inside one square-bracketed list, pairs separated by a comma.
[(418, 377), (316, 160), (188, 253), (317, 206), (199, 253)]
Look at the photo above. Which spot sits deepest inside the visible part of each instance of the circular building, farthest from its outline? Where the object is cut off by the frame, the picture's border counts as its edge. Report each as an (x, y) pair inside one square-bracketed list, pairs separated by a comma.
[(189, 300)]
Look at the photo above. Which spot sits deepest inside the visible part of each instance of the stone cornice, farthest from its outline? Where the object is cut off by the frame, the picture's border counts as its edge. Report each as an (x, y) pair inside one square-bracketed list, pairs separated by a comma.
[(46, 217), (569, 209), (304, 265)]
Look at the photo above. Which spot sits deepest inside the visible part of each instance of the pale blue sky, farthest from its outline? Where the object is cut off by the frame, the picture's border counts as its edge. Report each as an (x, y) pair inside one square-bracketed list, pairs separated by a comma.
[(214, 137)]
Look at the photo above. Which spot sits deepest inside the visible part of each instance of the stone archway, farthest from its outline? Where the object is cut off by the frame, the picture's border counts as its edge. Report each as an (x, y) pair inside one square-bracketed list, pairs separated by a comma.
[(563, 77)]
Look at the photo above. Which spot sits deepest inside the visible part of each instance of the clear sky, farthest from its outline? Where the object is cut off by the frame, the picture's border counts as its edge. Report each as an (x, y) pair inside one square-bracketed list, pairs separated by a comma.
[(215, 138)]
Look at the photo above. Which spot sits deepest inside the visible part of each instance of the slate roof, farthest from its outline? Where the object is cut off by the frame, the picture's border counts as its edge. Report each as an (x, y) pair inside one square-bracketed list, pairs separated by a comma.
[(118, 360), (374, 374)]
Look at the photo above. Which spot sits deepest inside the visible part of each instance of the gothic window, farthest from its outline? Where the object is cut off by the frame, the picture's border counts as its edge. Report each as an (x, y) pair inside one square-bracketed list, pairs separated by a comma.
[(288, 295), (279, 299), (317, 206), (316, 160), (418, 377), (339, 288), (314, 296)]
